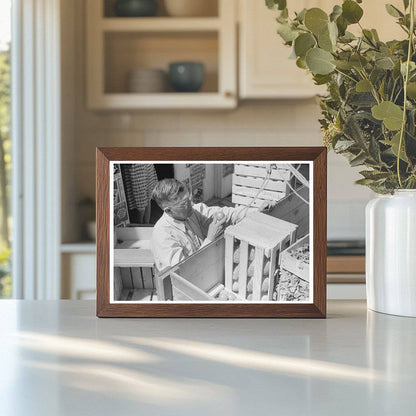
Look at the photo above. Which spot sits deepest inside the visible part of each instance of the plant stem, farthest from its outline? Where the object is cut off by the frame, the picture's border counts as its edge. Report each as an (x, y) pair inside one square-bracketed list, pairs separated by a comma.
[(345, 75), (406, 79), (373, 90)]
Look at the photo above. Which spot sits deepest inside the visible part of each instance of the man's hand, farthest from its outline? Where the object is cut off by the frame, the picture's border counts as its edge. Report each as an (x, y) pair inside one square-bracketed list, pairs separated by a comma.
[(216, 228), (267, 205)]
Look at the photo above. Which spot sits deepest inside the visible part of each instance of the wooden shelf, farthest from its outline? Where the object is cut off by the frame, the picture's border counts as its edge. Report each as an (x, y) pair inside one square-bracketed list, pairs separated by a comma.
[(159, 24), (129, 101)]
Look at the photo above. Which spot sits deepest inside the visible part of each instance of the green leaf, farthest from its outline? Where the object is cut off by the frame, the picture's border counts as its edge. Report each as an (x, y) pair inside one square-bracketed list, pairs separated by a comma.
[(351, 11), (343, 145), (385, 63), (375, 35), (301, 63), (393, 11), (286, 32), (347, 37), (368, 36), (276, 4), (374, 150), (406, 4), (411, 90), (321, 79), (358, 61), (341, 64), (374, 175), (303, 43), (333, 32), (394, 143), (342, 25), (316, 20), (363, 86), (336, 12), (301, 15), (412, 67), (358, 160), (324, 42), (390, 113), (364, 181), (319, 61), (361, 99)]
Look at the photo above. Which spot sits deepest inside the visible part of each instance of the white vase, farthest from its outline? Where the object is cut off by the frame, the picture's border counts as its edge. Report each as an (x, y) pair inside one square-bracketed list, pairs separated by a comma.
[(391, 253)]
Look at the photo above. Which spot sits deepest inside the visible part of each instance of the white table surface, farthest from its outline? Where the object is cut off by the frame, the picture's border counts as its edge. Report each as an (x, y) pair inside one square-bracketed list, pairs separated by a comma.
[(57, 358)]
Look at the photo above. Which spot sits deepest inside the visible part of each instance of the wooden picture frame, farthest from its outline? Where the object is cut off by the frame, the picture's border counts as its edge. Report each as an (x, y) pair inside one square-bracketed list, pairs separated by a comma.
[(315, 156)]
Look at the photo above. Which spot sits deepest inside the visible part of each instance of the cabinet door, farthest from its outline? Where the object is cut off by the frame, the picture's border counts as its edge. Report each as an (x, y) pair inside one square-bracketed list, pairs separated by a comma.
[(265, 68)]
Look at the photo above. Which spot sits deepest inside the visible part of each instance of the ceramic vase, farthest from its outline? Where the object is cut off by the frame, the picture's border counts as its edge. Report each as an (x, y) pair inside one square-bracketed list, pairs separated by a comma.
[(391, 253)]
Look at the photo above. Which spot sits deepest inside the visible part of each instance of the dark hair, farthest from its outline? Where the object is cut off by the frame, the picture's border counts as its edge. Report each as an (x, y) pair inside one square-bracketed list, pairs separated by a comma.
[(166, 192)]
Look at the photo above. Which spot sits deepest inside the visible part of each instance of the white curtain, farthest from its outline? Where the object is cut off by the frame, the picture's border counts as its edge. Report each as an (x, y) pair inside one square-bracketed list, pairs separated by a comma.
[(36, 149)]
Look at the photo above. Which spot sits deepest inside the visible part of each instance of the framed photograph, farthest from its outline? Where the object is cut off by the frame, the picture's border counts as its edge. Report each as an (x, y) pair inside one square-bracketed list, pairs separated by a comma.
[(211, 232)]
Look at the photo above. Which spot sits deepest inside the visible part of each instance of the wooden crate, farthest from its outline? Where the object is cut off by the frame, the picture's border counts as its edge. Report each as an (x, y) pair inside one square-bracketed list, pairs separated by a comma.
[(200, 277), (133, 264), (288, 262), (248, 179), (293, 284), (258, 239)]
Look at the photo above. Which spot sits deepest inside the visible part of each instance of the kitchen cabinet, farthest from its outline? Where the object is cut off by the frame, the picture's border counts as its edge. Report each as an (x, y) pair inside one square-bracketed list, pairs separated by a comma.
[(265, 70), (118, 45), (78, 271)]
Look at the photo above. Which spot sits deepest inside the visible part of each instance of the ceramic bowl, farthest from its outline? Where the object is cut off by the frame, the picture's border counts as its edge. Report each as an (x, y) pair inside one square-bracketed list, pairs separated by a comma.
[(135, 8), (186, 76)]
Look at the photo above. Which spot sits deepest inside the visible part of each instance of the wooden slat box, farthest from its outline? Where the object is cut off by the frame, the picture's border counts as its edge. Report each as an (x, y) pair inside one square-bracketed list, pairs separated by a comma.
[(293, 265), (294, 279), (248, 179), (133, 264), (260, 171), (200, 277), (251, 252)]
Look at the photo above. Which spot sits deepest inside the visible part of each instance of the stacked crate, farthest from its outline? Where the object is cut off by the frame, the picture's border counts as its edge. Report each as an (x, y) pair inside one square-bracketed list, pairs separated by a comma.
[(293, 282), (252, 248), (249, 178)]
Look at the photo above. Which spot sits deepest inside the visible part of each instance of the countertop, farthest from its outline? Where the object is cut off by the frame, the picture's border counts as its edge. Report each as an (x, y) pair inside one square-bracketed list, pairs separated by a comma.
[(57, 358)]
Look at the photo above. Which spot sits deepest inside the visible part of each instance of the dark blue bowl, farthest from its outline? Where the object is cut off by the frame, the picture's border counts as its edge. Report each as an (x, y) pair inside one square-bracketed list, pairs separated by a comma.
[(136, 8), (186, 76)]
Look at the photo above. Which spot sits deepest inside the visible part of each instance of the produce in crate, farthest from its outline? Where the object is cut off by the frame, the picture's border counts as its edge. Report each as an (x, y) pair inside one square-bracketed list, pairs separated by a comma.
[(293, 282), (237, 254), (251, 251)]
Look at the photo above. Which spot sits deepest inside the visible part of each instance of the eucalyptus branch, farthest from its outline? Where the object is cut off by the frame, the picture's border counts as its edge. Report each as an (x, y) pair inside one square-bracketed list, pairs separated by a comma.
[(406, 79)]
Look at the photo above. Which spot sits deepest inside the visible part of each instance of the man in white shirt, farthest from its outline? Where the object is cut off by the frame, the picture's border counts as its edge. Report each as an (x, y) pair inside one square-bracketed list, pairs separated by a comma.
[(184, 227)]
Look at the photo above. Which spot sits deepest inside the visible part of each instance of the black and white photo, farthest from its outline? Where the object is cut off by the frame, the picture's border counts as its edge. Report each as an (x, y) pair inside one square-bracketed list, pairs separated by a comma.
[(211, 232)]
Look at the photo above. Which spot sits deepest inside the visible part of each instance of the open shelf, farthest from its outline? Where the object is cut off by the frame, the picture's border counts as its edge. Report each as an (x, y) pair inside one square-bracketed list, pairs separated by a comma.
[(116, 46), (127, 51)]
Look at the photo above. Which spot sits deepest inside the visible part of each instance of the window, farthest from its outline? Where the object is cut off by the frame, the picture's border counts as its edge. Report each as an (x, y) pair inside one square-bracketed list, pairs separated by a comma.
[(5, 144)]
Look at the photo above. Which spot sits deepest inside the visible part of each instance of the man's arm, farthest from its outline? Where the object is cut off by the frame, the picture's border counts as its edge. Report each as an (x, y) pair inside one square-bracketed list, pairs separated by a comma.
[(167, 251), (232, 215)]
